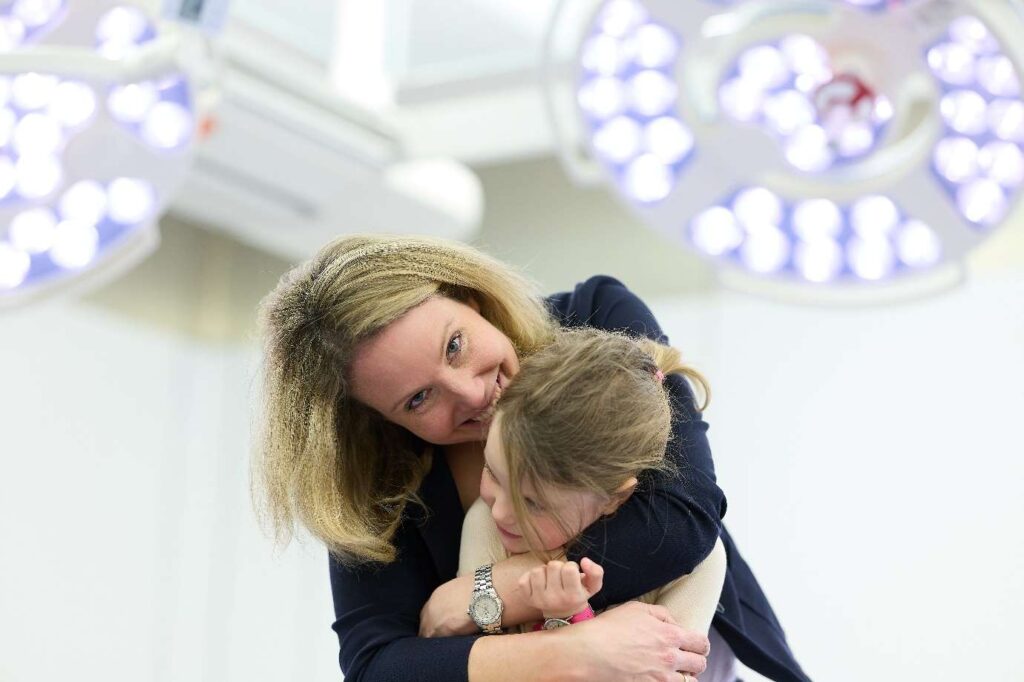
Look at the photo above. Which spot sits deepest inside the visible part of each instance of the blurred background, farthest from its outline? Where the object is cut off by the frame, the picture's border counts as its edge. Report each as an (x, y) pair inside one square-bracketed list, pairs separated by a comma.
[(866, 362)]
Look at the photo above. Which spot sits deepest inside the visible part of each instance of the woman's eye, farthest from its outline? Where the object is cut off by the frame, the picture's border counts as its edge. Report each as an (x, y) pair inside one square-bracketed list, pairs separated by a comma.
[(416, 400), (533, 505), (454, 345)]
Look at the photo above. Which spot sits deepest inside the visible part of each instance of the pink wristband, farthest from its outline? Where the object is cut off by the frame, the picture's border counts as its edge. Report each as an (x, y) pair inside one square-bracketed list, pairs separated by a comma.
[(585, 614)]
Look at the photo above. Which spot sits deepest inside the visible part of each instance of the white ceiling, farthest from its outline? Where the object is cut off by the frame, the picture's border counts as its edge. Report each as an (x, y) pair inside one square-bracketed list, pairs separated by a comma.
[(469, 83), (457, 79), (467, 37), (422, 35), (306, 26)]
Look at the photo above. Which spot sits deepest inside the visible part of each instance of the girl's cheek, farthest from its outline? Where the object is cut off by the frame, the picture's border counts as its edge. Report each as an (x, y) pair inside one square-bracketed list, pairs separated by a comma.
[(550, 534)]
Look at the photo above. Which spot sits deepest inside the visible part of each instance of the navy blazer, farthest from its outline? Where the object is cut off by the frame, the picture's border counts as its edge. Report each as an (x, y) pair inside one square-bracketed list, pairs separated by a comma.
[(662, 532)]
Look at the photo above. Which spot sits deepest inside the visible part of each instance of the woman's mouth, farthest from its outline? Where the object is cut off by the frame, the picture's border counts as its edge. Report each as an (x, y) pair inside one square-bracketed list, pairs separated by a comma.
[(484, 418)]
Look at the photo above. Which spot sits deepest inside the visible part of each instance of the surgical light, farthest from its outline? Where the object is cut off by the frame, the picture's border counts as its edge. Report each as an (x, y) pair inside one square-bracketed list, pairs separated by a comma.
[(98, 113), (827, 145)]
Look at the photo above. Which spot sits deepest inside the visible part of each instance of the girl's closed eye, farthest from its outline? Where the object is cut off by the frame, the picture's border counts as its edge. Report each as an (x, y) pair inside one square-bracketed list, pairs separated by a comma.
[(533, 505)]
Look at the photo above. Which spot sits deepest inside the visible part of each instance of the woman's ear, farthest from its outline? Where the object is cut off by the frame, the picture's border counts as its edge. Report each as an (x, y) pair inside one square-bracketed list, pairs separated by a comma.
[(620, 495)]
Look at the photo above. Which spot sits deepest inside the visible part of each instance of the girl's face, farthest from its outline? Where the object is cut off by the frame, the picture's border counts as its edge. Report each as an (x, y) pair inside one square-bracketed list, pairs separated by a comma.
[(436, 371), (568, 511)]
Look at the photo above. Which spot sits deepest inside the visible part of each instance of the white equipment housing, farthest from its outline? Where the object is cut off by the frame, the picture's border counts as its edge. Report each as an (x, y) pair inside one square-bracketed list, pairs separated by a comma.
[(287, 164)]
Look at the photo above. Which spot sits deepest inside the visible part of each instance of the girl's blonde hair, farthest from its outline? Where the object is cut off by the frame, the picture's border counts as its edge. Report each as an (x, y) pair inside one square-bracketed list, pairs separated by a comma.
[(587, 413), (324, 460)]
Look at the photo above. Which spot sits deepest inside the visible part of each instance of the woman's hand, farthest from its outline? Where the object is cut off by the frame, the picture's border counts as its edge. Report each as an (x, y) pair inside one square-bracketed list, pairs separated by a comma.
[(559, 589), (446, 612), (638, 641)]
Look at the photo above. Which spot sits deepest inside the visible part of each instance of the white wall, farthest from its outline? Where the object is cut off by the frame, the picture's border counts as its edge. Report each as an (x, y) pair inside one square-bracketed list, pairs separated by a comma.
[(873, 460), (128, 547)]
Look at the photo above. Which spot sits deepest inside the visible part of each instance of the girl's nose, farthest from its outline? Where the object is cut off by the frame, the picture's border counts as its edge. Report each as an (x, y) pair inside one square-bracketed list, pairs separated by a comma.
[(501, 511)]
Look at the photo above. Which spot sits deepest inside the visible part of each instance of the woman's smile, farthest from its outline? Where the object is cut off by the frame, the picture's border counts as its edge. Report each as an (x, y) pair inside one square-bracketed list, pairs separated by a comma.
[(484, 417)]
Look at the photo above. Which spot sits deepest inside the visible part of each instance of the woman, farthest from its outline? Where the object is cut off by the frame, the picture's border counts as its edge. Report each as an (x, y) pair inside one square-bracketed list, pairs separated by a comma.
[(384, 356)]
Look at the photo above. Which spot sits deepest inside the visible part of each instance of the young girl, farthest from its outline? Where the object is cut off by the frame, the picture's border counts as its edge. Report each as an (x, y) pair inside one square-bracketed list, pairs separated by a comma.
[(581, 426)]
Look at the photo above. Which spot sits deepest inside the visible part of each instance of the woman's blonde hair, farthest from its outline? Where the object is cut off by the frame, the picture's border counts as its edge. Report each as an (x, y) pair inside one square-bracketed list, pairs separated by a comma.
[(324, 460), (587, 413)]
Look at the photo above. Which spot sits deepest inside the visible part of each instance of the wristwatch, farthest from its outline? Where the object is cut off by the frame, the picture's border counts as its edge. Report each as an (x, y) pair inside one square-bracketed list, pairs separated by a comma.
[(485, 606), (554, 623)]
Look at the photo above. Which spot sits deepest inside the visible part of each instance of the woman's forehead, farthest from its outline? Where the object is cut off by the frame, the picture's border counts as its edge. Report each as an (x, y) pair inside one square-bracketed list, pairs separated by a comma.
[(418, 334), (407, 352)]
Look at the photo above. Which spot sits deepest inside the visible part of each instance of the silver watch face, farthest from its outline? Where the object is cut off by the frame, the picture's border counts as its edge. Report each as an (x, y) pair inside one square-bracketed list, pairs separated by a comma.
[(485, 609), (555, 623)]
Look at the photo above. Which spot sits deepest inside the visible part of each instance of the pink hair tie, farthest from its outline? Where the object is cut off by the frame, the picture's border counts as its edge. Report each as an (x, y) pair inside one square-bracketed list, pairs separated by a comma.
[(660, 376)]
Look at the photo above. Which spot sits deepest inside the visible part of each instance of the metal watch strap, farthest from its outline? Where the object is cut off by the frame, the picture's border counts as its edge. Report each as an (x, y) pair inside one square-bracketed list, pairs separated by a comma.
[(484, 583), (482, 579)]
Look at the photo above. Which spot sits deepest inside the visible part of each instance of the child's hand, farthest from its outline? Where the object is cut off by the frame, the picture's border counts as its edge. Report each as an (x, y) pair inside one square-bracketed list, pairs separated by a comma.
[(559, 590)]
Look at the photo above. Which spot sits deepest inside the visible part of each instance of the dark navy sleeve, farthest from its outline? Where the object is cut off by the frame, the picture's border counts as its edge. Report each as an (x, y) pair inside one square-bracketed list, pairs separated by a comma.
[(671, 523), (377, 607)]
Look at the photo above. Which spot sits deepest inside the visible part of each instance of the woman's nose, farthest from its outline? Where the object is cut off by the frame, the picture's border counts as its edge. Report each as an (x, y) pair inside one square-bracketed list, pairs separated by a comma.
[(472, 390)]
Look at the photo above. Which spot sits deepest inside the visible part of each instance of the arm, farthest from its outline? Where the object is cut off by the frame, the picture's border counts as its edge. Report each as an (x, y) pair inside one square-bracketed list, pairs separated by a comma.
[(632, 642), (693, 598), (672, 522), (480, 542), (444, 614), (543, 655), (481, 545), (377, 609)]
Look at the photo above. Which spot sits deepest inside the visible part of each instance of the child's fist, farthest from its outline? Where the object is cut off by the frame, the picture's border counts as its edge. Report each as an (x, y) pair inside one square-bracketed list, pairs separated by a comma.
[(559, 589)]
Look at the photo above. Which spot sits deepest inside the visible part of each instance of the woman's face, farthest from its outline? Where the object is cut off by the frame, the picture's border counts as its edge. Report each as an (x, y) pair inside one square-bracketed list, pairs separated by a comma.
[(436, 371), (567, 512)]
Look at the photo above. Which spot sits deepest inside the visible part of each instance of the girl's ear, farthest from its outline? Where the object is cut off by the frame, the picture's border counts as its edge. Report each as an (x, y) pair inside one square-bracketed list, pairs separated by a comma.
[(620, 495)]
